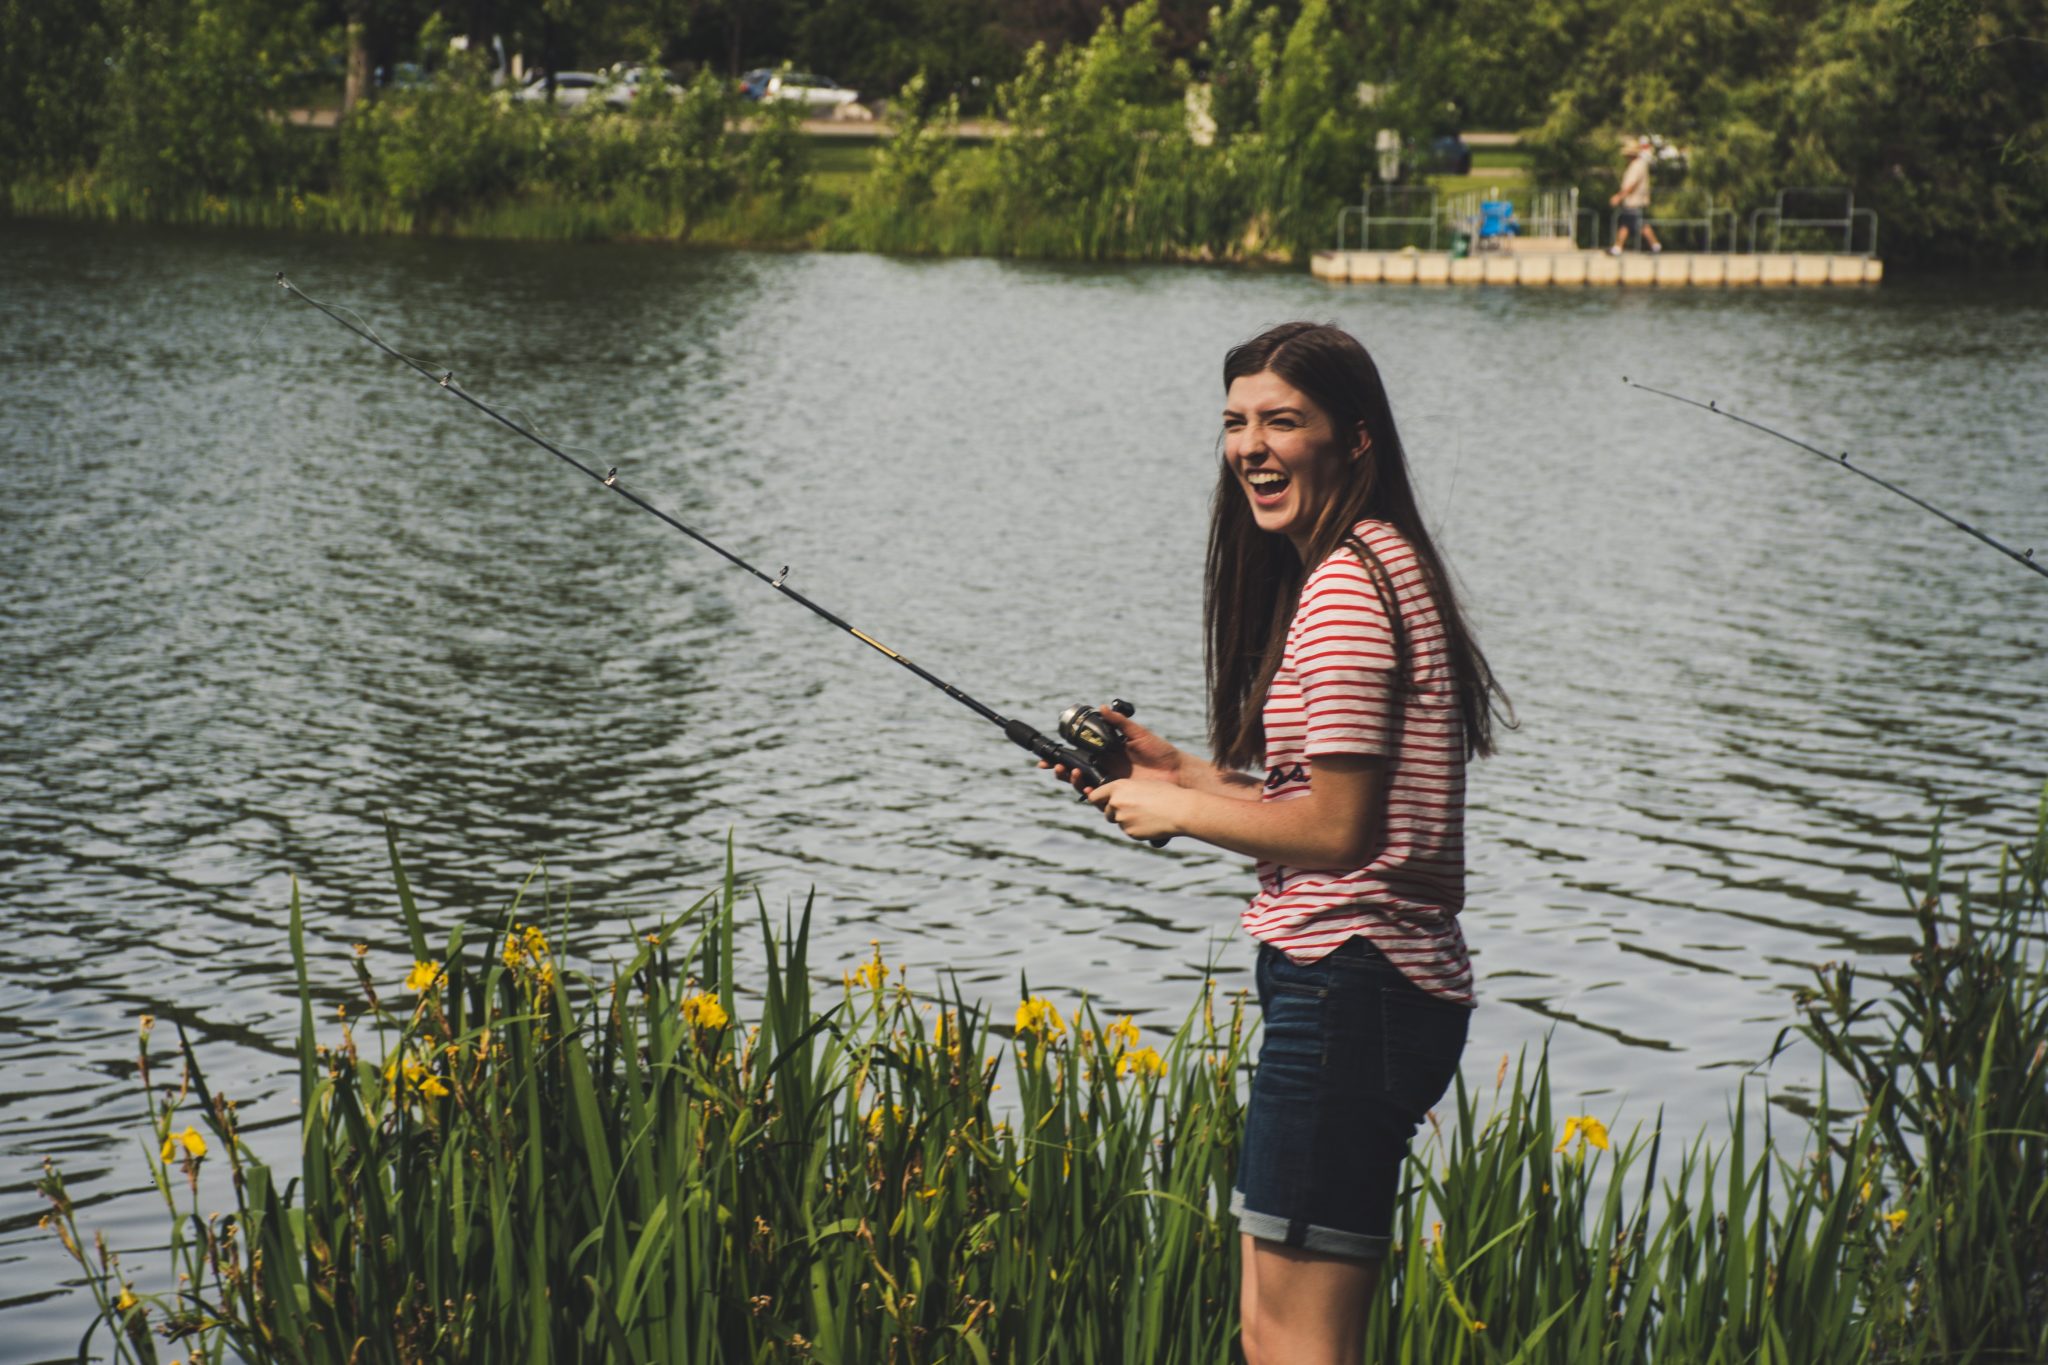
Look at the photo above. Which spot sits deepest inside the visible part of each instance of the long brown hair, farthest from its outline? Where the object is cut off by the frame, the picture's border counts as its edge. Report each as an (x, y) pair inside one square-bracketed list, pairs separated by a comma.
[(1255, 576)]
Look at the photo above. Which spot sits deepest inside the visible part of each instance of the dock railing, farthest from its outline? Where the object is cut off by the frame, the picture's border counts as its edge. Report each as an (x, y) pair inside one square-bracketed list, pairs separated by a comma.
[(1699, 234), (1394, 217), (1385, 207), (1552, 213), (1826, 208)]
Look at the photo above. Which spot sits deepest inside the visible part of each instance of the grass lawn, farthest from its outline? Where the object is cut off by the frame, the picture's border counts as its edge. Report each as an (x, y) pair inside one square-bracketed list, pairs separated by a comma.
[(1500, 156), (1515, 187), (839, 164)]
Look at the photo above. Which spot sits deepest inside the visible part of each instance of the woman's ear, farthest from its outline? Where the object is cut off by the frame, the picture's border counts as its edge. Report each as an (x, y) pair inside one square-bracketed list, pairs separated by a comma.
[(1363, 445)]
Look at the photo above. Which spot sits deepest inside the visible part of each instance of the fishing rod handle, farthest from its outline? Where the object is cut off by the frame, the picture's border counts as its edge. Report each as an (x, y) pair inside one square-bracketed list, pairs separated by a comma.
[(1027, 737)]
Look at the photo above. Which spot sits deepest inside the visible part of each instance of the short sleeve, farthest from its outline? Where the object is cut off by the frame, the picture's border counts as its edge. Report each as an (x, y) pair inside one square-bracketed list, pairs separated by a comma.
[(1342, 650)]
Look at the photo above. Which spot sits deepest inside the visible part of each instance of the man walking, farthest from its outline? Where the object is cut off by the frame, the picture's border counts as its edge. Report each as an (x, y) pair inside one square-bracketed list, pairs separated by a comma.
[(1634, 199)]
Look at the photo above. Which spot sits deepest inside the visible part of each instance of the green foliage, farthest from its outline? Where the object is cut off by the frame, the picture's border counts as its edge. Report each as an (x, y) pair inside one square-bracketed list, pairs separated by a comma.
[(1930, 111), (435, 149), (1314, 144), (956, 47), (456, 145), (1158, 135), (775, 163), (1103, 157), (1953, 1061), (897, 193), (196, 94), (539, 1162), (52, 75), (1087, 125)]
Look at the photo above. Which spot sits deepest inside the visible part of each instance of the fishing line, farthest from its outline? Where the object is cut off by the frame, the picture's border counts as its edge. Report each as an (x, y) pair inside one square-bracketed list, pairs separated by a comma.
[(1095, 740), (2025, 557)]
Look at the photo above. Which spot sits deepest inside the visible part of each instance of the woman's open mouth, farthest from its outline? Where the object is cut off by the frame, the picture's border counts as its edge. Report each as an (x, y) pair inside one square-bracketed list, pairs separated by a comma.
[(1266, 484)]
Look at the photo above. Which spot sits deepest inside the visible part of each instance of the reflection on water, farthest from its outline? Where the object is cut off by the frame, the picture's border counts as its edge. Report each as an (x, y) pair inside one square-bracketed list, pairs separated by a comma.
[(262, 588)]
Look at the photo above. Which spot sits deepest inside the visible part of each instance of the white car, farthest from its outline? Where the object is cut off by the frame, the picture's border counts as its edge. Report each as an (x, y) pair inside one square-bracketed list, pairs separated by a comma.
[(818, 94), (629, 84), (572, 88)]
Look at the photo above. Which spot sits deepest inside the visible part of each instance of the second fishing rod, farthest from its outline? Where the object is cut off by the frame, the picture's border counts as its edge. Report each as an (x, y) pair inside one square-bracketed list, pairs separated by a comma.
[(1093, 744)]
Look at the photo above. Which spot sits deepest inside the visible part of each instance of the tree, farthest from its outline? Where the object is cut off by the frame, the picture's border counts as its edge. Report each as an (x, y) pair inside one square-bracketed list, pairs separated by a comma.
[(53, 63), (197, 93)]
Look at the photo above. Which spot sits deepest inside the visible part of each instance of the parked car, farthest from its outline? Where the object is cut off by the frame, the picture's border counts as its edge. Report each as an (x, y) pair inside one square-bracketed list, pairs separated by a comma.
[(818, 94), (629, 84), (403, 76), (572, 88), (1447, 155)]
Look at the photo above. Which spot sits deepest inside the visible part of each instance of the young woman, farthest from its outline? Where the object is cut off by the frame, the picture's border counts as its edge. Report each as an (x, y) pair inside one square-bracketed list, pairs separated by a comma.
[(1341, 672)]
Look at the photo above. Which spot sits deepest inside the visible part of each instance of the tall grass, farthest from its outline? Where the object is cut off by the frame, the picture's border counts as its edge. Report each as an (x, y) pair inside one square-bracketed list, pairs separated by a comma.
[(535, 1162)]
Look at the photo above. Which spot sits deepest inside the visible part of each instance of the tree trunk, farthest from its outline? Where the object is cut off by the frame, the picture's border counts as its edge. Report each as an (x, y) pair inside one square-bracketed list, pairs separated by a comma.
[(356, 88)]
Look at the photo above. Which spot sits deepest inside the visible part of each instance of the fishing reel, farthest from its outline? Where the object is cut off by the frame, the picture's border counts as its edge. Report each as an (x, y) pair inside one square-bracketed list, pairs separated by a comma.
[(1094, 738), (1098, 746)]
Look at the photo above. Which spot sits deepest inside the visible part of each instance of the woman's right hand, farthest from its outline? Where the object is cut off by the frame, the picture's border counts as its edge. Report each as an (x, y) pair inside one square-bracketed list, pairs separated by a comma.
[(1146, 756)]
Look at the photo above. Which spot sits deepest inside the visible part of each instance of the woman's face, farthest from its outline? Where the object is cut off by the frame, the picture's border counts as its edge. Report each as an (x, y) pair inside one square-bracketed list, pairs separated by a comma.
[(1285, 454)]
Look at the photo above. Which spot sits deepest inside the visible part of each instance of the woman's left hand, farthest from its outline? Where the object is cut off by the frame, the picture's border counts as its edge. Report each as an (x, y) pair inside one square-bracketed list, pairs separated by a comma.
[(1141, 809)]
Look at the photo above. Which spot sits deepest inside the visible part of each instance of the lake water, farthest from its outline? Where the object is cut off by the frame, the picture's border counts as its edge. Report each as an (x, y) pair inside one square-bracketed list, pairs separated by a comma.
[(261, 587)]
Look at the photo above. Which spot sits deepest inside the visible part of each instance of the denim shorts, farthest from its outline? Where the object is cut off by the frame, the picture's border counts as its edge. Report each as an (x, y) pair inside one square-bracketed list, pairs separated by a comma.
[(1352, 1057)]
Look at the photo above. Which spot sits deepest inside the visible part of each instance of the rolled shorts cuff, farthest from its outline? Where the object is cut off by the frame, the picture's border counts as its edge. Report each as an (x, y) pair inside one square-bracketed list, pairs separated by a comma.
[(1357, 1246)]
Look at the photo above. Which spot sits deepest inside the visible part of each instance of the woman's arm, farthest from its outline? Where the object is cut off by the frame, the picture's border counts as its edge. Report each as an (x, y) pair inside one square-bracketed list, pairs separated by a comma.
[(1335, 826)]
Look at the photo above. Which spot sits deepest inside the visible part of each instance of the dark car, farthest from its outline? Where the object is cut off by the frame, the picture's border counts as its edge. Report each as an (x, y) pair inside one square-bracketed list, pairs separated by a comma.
[(1447, 155)]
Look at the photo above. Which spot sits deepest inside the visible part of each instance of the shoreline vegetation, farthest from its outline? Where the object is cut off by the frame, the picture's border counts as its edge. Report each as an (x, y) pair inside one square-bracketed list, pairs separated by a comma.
[(510, 1156), (1231, 135)]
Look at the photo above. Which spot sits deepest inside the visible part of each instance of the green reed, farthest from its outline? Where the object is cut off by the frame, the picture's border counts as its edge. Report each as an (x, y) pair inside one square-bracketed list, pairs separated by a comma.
[(535, 1162)]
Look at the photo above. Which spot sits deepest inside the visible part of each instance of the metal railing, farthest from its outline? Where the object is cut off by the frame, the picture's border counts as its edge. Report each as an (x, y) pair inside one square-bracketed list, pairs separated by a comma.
[(1390, 198), (1820, 197), (1705, 225), (1558, 213), (1553, 213)]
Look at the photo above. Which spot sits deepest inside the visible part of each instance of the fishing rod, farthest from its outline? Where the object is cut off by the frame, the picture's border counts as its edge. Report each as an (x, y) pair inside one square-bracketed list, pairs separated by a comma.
[(2025, 557), (1096, 742)]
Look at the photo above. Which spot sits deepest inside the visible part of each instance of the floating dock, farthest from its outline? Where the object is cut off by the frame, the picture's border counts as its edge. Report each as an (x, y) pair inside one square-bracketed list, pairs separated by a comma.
[(1572, 269)]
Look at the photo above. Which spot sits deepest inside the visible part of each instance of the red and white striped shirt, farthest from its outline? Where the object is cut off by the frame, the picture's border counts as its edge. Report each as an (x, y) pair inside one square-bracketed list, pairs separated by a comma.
[(1335, 694)]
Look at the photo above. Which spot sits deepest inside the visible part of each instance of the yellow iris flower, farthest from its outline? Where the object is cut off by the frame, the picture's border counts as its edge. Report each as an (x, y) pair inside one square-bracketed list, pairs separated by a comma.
[(422, 976), (703, 1011), (1038, 1015), (1586, 1128), (1144, 1060), (189, 1141), (871, 973)]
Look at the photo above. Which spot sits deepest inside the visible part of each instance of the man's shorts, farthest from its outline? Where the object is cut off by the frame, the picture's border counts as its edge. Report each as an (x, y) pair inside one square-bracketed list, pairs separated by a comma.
[(1630, 220)]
